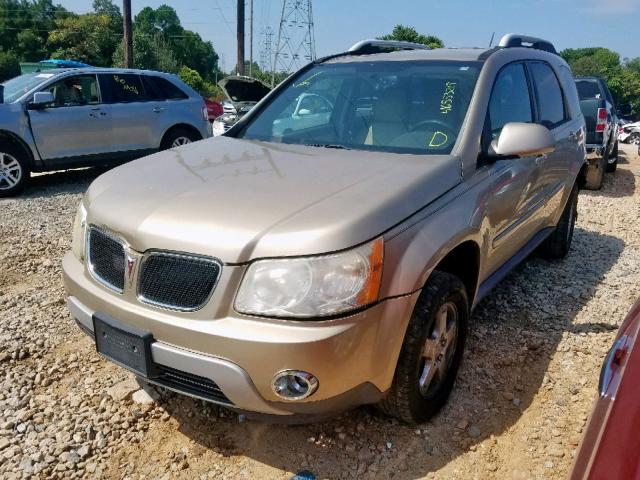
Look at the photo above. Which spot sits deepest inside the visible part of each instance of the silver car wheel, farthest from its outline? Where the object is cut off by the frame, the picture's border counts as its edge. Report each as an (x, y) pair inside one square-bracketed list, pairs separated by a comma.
[(180, 141), (439, 349), (10, 171)]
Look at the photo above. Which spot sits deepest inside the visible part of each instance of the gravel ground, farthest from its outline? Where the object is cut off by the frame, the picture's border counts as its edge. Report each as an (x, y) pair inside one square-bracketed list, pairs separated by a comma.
[(517, 412)]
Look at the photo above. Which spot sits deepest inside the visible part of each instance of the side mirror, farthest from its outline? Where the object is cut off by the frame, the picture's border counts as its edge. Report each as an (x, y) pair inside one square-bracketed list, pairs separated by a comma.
[(304, 111), (41, 99), (624, 109), (523, 140)]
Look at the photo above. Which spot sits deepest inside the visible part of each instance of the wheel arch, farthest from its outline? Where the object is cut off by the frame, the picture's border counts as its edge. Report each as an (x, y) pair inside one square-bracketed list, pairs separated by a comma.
[(174, 127), (9, 137), (463, 261)]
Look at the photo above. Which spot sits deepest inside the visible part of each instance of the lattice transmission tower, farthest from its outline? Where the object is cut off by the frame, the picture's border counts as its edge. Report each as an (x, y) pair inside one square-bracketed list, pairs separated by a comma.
[(266, 52), (296, 43)]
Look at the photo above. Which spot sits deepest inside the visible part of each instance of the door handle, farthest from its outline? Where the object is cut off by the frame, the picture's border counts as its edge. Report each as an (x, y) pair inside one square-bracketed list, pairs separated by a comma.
[(158, 109), (95, 108)]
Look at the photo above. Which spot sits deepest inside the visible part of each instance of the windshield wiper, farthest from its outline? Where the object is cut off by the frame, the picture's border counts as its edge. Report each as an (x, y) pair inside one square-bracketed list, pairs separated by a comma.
[(327, 145)]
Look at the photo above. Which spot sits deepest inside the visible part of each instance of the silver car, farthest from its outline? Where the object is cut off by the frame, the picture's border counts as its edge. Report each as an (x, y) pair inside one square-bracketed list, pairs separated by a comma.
[(92, 116)]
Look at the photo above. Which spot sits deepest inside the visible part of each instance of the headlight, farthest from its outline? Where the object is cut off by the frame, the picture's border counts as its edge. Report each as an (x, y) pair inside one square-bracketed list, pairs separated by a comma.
[(218, 128), (79, 232), (313, 286)]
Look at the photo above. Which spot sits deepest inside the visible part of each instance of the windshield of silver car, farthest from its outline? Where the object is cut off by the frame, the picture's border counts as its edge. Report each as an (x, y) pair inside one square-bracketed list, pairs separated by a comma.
[(18, 86), (394, 106)]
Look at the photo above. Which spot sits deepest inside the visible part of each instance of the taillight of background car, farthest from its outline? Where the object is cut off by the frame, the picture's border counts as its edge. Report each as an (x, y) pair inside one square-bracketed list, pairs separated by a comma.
[(602, 120), (616, 360)]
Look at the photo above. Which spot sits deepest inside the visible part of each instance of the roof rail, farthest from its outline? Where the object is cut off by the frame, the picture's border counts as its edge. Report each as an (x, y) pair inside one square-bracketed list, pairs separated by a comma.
[(514, 40), (365, 47)]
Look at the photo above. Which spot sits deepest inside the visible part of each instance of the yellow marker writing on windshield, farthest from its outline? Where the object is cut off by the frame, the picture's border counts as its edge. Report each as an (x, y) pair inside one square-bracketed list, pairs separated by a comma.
[(439, 139)]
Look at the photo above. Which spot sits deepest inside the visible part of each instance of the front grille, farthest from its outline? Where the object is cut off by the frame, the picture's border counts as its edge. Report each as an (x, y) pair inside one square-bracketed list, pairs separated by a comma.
[(178, 282), (190, 384), (106, 259)]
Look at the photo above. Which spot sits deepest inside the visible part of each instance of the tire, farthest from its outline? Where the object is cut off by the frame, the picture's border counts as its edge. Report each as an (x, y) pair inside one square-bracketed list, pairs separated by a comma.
[(556, 245), (612, 164), (179, 136), (14, 170), (595, 174), (406, 400)]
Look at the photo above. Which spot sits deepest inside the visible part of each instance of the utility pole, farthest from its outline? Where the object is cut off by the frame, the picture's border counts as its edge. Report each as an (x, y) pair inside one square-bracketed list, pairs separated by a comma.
[(128, 36), (240, 66), (251, 41)]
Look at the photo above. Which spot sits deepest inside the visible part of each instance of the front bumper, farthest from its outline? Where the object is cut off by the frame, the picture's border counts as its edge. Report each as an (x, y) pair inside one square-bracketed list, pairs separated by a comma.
[(353, 357)]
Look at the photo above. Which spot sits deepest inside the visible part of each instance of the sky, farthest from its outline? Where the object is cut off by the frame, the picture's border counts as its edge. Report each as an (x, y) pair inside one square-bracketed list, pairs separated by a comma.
[(614, 24)]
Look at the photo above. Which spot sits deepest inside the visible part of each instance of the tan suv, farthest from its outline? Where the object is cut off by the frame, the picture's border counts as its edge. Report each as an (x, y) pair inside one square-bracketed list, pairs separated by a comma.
[(320, 257)]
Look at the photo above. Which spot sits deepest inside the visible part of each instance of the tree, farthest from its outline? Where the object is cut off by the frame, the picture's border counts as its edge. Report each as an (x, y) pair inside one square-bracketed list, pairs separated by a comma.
[(86, 38), (623, 79), (9, 66), (409, 34), (149, 53)]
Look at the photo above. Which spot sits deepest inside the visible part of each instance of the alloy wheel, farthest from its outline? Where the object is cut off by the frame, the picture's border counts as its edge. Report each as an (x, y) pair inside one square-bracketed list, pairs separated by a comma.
[(182, 140), (10, 171), (439, 349)]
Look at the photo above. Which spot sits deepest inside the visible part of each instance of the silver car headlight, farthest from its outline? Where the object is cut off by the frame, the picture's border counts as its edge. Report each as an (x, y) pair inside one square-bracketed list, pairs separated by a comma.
[(218, 128), (79, 232), (315, 286)]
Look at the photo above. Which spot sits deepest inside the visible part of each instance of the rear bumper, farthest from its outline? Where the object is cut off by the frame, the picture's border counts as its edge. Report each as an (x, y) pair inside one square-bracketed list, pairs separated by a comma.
[(594, 153), (353, 357)]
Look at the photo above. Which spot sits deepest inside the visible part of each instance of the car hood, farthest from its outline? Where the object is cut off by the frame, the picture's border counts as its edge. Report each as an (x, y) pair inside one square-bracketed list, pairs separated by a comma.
[(242, 91), (238, 200)]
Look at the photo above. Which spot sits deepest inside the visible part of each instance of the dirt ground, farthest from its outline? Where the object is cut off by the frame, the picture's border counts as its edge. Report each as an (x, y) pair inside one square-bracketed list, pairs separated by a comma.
[(518, 409)]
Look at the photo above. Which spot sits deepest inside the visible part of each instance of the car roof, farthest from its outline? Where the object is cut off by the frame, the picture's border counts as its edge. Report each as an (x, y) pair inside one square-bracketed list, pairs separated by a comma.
[(452, 54), (58, 71)]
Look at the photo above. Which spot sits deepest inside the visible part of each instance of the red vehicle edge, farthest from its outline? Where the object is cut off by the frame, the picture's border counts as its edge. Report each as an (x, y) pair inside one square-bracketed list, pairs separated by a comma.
[(610, 447)]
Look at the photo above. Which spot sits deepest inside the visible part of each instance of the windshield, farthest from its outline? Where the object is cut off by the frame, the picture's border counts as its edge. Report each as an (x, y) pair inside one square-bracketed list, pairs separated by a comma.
[(403, 107), (18, 86)]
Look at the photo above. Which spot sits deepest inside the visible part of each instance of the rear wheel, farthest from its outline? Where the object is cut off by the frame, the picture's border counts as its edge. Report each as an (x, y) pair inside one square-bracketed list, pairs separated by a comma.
[(431, 351), (14, 170), (179, 136), (558, 243), (595, 174), (612, 164)]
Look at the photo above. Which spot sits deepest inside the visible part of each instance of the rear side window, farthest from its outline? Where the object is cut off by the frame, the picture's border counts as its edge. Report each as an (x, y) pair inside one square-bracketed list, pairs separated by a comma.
[(569, 87), (159, 88), (510, 99), (122, 88), (588, 89), (550, 100)]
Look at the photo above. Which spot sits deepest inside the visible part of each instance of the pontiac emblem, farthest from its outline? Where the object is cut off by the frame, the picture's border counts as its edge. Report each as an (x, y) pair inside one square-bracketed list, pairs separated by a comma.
[(130, 263)]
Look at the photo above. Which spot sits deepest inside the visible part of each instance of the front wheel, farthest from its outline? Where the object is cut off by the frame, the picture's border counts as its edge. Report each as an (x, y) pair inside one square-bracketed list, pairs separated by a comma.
[(557, 244), (14, 170), (431, 351)]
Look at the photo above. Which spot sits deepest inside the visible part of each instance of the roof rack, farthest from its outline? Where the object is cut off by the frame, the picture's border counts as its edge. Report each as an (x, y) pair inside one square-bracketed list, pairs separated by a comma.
[(514, 40), (365, 47)]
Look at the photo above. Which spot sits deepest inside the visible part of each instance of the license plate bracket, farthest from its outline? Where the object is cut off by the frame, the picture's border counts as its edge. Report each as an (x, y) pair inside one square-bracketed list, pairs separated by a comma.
[(124, 345)]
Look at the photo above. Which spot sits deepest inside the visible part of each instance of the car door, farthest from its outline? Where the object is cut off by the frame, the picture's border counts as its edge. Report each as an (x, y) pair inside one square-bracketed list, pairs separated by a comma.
[(132, 113), (514, 209), (554, 113), (77, 123)]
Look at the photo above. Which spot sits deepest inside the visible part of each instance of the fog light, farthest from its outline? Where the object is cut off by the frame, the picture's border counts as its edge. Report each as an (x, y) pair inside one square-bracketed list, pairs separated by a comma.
[(294, 385)]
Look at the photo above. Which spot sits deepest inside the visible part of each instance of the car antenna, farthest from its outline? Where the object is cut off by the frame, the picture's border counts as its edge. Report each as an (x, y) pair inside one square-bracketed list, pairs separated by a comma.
[(491, 41)]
